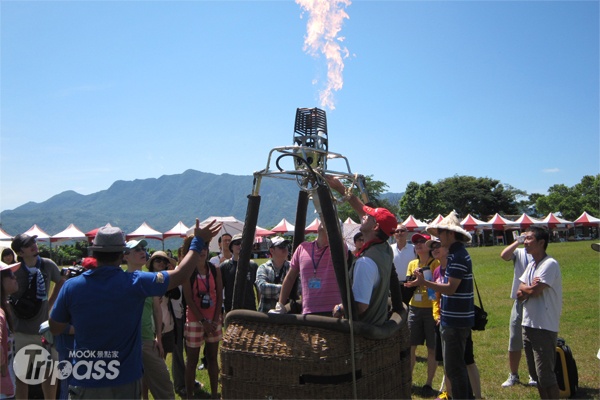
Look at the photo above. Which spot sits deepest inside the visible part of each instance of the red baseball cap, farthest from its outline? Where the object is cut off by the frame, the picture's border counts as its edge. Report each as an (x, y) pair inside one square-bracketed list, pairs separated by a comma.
[(420, 236), (386, 220)]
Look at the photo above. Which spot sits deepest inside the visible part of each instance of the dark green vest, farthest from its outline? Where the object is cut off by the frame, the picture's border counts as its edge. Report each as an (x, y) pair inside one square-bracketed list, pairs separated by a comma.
[(383, 256)]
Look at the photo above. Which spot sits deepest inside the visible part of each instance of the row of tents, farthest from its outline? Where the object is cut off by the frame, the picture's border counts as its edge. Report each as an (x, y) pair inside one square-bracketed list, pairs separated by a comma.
[(232, 226)]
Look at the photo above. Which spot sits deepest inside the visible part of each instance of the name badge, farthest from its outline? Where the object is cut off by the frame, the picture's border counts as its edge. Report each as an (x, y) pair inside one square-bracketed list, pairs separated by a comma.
[(314, 283), (418, 297)]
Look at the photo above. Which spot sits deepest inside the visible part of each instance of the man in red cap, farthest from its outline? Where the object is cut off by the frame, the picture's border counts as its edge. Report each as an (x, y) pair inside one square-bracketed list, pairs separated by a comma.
[(370, 273)]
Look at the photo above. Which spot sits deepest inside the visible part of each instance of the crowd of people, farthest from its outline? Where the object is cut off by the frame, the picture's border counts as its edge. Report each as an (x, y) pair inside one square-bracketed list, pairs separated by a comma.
[(115, 326)]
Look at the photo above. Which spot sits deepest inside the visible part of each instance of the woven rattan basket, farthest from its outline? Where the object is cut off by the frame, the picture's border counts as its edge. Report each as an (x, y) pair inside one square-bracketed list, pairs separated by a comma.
[(308, 357)]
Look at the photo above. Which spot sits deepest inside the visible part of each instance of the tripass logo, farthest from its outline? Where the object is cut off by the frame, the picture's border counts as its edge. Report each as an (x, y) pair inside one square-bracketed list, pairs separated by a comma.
[(33, 365)]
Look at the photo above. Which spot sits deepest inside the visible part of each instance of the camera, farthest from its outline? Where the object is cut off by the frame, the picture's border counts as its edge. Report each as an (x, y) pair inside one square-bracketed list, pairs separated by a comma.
[(205, 303), (73, 271)]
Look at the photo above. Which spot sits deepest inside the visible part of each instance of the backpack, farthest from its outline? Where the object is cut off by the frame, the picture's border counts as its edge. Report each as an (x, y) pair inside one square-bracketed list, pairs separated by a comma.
[(28, 305), (566, 370)]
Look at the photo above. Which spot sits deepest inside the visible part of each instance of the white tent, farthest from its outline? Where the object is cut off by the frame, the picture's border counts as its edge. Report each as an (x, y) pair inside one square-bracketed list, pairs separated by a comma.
[(229, 225), (41, 235), (145, 231), (350, 228), (232, 226), (70, 233), (5, 238)]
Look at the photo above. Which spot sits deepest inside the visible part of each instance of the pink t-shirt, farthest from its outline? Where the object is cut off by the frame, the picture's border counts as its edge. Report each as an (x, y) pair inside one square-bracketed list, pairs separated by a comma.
[(200, 286), (320, 291)]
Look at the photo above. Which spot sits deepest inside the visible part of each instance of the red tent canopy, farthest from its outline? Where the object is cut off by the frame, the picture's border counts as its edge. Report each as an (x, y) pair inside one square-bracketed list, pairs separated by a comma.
[(500, 223), (179, 230), (525, 221), (587, 220), (554, 222), (262, 232), (471, 223), (413, 225), (92, 234), (313, 227), (284, 227), (437, 219)]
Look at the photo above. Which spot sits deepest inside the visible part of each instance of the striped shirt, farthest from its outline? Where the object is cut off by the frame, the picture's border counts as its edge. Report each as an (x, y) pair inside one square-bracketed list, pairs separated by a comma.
[(457, 308)]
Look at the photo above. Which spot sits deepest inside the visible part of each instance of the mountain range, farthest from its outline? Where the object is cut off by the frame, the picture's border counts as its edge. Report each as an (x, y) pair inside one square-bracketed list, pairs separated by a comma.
[(161, 203)]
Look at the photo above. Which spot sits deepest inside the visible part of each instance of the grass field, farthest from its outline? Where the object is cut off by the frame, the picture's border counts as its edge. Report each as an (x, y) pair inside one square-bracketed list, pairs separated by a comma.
[(579, 326)]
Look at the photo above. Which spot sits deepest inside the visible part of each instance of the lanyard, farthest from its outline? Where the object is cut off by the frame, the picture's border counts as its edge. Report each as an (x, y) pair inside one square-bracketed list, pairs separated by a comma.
[(315, 266), (207, 283)]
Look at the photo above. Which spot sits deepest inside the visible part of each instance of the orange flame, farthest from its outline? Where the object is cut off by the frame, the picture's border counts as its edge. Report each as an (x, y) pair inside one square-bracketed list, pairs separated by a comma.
[(322, 29)]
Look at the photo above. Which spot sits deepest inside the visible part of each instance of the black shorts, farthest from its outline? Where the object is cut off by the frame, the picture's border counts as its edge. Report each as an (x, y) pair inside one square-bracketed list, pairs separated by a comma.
[(168, 341)]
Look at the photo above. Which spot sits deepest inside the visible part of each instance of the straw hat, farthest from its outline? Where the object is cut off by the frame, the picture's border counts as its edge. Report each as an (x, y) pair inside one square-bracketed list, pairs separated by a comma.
[(160, 253), (450, 223)]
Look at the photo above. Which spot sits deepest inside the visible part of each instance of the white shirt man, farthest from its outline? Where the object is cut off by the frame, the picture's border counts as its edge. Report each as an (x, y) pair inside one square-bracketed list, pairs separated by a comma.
[(404, 252)]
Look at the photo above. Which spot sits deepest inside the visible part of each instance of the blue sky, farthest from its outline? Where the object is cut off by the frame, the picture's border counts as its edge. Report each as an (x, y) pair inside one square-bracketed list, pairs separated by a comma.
[(95, 92)]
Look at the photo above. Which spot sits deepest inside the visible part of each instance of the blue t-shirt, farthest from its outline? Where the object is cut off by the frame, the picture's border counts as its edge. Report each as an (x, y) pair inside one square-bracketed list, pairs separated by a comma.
[(105, 307), (457, 309)]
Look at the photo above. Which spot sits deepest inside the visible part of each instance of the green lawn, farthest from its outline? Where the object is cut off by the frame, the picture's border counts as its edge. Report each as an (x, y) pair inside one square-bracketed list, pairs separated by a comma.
[(579, 322)]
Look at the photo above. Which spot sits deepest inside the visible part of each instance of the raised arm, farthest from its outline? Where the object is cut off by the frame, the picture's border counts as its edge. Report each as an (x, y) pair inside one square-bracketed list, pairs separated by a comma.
[(186, 267)]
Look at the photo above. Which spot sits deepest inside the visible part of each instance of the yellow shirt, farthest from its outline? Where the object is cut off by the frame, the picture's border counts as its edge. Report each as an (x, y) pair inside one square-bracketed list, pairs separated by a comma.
[(420, 298)]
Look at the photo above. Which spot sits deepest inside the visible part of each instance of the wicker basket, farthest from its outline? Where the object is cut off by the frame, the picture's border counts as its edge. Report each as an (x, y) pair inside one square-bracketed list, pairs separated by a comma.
[(307, 357)]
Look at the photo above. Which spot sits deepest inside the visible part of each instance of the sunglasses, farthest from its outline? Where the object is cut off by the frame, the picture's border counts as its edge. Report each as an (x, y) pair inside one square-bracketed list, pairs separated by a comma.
[(420, 241), (435, 246), (161, 260)]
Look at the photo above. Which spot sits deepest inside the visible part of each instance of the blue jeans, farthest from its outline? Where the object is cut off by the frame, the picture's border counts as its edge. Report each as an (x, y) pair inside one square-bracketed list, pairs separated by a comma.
[(454, 341)]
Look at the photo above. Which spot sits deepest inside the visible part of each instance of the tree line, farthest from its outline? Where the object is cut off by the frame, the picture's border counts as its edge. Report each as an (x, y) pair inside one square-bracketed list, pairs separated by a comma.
[(482, 198)]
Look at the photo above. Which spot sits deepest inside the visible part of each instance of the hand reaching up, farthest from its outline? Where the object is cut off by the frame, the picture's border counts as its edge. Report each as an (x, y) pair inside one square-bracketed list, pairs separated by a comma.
[(208, 232)]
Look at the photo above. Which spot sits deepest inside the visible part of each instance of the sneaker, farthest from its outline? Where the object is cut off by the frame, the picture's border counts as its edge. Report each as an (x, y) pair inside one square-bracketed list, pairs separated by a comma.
[(531, 382), (443, 396), (511, 381), (427, 391)]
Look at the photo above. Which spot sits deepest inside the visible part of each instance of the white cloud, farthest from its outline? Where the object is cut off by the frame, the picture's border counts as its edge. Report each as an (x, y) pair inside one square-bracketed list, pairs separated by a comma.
[(550, 170)]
